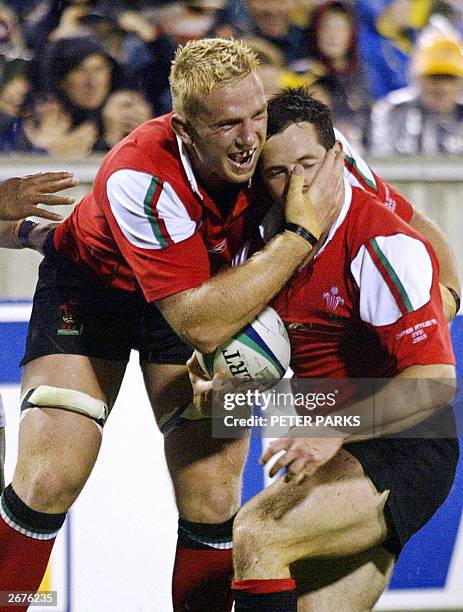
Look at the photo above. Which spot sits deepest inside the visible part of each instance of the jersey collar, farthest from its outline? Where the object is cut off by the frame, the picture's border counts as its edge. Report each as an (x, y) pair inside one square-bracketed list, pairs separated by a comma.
[(274, 219), (188, 167)]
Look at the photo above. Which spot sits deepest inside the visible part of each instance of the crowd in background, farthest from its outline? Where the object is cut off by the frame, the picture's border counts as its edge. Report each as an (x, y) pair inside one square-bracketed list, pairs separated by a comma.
[(76, 76)]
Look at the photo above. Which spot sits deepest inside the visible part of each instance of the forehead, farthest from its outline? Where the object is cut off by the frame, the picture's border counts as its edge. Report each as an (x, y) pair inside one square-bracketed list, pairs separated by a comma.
[(297, 141), (233, 101)]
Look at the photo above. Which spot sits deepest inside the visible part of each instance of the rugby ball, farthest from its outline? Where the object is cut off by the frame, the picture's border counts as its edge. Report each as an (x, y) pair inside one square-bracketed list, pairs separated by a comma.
[(261, 351)]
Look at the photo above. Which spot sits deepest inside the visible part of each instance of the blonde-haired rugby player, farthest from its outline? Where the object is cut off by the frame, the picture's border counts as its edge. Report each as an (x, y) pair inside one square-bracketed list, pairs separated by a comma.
[(139, 265)]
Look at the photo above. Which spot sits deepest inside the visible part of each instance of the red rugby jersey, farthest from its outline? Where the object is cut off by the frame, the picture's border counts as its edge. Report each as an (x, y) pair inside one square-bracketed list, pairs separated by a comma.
[(148, 224), (369, 305)]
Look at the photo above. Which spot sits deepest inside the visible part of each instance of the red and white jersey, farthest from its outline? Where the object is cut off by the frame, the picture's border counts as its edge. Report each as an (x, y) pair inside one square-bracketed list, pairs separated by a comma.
[(369, 305), (149, 225)]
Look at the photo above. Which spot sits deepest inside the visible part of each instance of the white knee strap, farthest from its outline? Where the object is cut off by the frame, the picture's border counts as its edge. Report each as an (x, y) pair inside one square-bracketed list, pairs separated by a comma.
[(66, 399)]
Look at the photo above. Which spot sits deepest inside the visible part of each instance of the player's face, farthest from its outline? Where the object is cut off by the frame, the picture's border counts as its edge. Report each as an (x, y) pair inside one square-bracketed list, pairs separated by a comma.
[(228, 133), (298, 144)]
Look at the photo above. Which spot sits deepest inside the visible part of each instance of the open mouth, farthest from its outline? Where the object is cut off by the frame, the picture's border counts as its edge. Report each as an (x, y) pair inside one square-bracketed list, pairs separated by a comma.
[(243, 160)]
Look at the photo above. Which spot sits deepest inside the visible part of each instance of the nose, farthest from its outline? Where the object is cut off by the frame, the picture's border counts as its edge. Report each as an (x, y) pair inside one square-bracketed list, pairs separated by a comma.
[(246, 136)]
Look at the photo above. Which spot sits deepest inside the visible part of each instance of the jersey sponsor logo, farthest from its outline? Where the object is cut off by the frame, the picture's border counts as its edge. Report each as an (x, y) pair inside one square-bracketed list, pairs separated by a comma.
[(333, 299)]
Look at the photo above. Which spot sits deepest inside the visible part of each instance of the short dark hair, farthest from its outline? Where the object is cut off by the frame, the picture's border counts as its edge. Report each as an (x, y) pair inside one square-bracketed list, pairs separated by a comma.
[(297, 106)]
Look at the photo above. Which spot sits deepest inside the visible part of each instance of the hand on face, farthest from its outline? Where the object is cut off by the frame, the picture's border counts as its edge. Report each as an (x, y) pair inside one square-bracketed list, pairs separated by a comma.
[(316, 206)]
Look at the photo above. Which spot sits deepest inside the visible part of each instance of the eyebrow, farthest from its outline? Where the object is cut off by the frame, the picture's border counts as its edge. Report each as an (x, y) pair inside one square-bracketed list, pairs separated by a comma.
[(299, 160), (235, 120)]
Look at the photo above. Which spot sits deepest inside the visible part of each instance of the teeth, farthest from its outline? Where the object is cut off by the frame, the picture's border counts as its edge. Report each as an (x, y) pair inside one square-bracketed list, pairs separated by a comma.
[(242, 157)]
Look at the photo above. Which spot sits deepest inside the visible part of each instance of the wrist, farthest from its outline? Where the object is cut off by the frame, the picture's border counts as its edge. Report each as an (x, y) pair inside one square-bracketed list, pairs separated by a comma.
[(21, 233), (456, 299), (298, 242), (302, 232)]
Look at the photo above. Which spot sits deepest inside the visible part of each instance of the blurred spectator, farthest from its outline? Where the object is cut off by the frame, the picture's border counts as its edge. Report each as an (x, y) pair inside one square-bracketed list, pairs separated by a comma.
[(191, 19), (123, 112), (387, 31), (15, 86), (428, 116), (147, 63), (53, 19), (334, 55), (77, 77), (11, 41), (270, 20)]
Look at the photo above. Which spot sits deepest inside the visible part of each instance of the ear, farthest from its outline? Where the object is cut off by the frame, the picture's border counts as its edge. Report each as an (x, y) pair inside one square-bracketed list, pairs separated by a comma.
[(180, 127), (338, 146)]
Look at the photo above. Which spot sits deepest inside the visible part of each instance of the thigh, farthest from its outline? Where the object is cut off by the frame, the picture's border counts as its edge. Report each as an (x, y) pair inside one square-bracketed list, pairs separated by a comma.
[(337, 512), (206, 471), (350, 584)]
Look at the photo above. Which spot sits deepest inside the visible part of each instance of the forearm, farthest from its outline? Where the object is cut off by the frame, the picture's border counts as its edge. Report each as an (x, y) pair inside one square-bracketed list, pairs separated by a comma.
[(448, 269), (405, 401), (8, 237), (210, 314)]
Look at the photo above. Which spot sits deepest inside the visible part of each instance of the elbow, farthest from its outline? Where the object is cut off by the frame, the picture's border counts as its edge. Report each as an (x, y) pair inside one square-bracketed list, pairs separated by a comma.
[(202, 340)]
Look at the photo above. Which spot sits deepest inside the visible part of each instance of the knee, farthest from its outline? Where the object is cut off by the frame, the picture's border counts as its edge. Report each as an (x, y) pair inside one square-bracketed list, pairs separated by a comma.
[(252, 543), (46, 488), (213, 504)]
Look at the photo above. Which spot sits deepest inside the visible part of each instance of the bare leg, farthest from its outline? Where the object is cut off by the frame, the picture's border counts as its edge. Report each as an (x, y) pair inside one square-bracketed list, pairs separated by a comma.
[(57, 449), (206, 474), (336, 513), (350, 584)]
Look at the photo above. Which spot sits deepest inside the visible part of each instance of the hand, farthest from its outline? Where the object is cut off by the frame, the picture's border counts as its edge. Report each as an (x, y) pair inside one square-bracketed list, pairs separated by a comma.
[(202, 386), (19, 196), (123, 112), (131, 21), (303, 456), (448, 303), (316, 207), (69, 23)]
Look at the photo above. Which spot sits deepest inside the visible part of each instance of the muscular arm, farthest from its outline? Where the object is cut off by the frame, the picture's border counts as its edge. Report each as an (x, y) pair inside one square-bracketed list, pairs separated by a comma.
[(210, 314), (405, 401), (397, 407), (448, 270)]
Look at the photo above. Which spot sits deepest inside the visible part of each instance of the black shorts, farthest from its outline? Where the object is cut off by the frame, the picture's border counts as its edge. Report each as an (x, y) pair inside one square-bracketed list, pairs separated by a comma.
[(74, 313), (418, 467)]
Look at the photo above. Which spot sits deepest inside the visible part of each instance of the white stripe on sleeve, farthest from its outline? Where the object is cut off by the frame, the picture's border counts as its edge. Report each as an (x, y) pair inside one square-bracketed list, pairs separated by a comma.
[(130, 193), (408, 266)]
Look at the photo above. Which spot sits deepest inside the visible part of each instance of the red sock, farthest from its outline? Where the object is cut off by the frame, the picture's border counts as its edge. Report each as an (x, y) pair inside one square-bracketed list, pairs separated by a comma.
[(24, 558), (202, 579), (22, 563)]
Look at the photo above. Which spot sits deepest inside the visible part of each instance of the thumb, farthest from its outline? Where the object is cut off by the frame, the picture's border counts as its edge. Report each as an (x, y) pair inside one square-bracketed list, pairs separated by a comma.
[(296, 182)]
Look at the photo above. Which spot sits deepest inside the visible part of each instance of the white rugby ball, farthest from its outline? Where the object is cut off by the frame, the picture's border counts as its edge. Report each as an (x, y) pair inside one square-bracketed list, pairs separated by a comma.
[(260, 351)]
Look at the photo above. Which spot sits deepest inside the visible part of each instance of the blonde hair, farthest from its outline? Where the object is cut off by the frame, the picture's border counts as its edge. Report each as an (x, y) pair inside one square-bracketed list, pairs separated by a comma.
[(201, 66)]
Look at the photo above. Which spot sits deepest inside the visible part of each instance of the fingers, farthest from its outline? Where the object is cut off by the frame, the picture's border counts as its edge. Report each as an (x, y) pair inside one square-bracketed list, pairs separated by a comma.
[(51, 200), (274, 448), (44, 214), (52, 185)]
